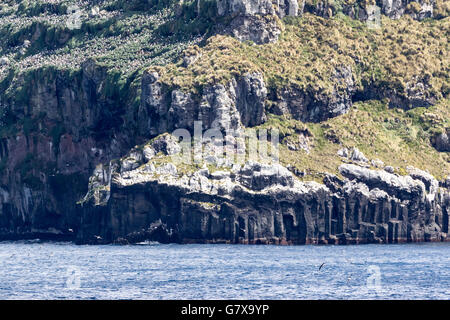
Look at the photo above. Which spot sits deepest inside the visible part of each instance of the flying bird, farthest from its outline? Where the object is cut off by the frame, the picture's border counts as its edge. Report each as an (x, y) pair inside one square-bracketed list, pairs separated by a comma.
[(321, 266)]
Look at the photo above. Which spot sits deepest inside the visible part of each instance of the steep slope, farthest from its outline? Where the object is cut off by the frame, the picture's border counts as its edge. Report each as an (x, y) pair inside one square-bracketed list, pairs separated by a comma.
[(82, 83)]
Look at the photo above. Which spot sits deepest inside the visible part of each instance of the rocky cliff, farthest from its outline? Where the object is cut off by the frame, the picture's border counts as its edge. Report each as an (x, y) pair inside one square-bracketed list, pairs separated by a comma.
[(75, 99), (257, 203)]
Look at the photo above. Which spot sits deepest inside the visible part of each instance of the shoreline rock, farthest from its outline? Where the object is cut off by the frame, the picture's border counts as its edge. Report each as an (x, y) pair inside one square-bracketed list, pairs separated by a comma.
[(265, 203)]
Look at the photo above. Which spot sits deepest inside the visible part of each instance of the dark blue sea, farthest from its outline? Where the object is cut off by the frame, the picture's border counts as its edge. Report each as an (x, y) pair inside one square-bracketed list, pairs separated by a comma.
[(43, 270)]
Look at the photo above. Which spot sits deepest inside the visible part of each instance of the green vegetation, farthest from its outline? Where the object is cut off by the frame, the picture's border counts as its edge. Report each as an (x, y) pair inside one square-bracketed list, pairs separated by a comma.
[(310, 49), (124, 35), (192, 17), (56, 132), (442, 9), (125, 38), (396, 137), (7, 123)]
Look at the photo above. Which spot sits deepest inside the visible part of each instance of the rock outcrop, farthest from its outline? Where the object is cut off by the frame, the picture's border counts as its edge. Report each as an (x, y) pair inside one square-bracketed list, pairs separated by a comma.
[(365, 10), (354, 154), (261, 203), (416, 93), (310, 105), (45, 170), (63, 126), (419, 9), (441, 141), (226, 107), (255, 20)]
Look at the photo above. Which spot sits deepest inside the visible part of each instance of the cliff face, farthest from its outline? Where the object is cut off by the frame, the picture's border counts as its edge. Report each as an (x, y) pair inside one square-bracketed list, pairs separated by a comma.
[(258, 203), (67, 172), (47, 164), (253, 20), (362, 10)]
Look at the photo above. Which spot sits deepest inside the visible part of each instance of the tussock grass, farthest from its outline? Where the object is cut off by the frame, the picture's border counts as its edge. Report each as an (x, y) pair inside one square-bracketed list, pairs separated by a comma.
[(311, 47), (396, 137)]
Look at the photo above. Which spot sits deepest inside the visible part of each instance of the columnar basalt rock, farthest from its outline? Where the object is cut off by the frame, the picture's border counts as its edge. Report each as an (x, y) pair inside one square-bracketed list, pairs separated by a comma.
[(67, 124), (249, 196), (46, 170), (265, 203)]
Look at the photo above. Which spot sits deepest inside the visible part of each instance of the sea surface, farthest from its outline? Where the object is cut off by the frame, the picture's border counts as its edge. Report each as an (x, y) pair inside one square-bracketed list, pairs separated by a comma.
[(45, 270)]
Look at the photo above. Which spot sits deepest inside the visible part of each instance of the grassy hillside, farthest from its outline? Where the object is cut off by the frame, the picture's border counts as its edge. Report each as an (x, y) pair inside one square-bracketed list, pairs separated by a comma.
[(311, 47), (396, 137), (123, 35), (131, 36)]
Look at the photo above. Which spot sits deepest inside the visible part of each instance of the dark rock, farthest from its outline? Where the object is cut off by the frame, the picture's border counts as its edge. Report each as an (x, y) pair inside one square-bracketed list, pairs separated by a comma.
[(240, 102), (441, 141), (262, 203), (312, 106), (419, 9), (260, 30), (394, 9)]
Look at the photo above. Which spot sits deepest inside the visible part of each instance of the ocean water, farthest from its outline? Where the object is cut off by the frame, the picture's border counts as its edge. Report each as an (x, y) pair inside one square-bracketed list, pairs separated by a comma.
[(35, 270)]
